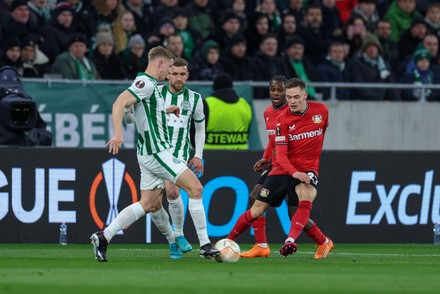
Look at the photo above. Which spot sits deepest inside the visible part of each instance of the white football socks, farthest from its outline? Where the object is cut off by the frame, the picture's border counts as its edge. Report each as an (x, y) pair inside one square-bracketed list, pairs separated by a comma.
[(162, 221), (126, 217), (175, 208), (197, 211)]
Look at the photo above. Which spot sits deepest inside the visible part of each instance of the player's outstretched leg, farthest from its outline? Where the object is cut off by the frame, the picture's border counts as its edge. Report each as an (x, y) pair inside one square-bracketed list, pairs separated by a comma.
[(99, 246), (260, 248)]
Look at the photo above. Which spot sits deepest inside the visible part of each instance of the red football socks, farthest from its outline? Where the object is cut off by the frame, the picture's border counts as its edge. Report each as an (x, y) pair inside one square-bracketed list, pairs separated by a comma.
[(259, 226), (300, 218), (243, 223), (316, 234)]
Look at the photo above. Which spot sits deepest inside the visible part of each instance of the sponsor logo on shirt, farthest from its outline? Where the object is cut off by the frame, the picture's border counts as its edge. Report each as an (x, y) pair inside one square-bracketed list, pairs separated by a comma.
[(317, 119), (280, 138), (305, 135), (271, 132)]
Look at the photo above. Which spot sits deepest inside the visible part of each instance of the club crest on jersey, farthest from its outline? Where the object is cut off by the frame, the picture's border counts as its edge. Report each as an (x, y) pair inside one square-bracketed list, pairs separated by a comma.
[(317, 118), (185, 105), (264, 192), (140, 84)]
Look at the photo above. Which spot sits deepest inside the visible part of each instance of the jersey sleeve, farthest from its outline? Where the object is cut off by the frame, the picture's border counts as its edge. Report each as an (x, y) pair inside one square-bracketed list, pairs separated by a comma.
[(281, 145), (142, 88), (199, 114)]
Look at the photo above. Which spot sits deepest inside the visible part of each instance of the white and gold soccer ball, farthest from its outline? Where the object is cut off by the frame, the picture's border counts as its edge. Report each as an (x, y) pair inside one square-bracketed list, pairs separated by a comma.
[(229, 250)]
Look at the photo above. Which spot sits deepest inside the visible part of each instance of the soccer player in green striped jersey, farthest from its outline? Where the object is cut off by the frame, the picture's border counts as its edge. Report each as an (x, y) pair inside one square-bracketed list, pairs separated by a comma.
[(191, 109), (156, 161)]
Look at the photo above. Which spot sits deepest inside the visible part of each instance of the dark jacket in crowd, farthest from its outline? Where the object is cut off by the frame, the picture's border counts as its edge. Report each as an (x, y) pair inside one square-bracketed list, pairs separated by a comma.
[(329, 72), (109, 68)]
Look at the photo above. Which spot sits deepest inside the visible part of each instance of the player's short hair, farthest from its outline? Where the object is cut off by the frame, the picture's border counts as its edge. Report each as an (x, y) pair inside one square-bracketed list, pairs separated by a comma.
[(278, 78), (295, 82), (179, 62), (160, 51)]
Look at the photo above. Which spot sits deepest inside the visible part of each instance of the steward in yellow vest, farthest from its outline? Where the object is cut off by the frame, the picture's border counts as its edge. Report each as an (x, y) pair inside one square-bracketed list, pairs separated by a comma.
[(228, 117)]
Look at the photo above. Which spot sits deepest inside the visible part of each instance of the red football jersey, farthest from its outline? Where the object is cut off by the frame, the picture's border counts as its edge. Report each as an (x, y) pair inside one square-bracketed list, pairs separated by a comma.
[(270, 117), (304, 136)]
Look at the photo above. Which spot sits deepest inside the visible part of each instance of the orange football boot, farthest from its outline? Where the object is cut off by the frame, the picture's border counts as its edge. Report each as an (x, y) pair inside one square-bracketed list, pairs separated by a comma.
[(256, 251), (324, 249)]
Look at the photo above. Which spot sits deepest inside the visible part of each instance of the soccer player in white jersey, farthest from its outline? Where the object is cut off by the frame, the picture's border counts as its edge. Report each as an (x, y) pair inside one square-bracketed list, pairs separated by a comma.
[(155, 158), (191, 106)]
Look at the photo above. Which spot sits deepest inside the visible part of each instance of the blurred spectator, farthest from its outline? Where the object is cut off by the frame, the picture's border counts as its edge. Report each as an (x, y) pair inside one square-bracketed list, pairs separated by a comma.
[(258, 28), (157, 38), (83, 17), (331, 19), (287, 31), (123, 29), (230, 26), (39, 12), (5, 7), (367, 10), (390, 48), (269, 63), (19, 25), (354, 33), (192, 39), (296, 9), (34, 62), (370, 67), (298, 65), (239, 8), (269, 8), (108, 64), (174, 43), (106, 12), (411, 38), (201, 14), (236, 63), (207, 66), (73, 63), (228, 116), (401, 14), (432, 18), (345, 8), (407, 66), (423, 74), (60, 30), (11, 55), (333, 69), (315, 37), (142, 16), (134, 56), (164, 9)]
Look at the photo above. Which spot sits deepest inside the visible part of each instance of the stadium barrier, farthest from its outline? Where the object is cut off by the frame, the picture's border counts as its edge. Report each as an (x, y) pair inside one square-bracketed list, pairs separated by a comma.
[(364, 197)]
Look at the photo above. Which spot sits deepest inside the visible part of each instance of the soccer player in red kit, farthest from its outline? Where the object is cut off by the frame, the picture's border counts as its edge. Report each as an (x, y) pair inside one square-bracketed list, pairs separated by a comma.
[(299, 137)]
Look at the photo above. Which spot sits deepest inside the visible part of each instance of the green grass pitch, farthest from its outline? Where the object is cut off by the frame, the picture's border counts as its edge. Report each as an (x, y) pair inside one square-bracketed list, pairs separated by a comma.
[(350, 268)]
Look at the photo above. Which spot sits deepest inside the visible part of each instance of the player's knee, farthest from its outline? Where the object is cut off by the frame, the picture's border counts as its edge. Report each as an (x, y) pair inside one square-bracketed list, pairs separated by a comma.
[(196, 191), (173, 194)]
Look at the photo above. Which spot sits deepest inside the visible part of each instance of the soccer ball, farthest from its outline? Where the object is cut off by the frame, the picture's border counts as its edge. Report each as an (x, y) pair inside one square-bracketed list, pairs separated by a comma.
[(229, 250)]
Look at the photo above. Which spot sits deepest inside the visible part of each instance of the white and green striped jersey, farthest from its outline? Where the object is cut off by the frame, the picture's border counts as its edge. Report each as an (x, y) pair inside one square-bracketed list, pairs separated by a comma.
[(191, 108), (149, 115)]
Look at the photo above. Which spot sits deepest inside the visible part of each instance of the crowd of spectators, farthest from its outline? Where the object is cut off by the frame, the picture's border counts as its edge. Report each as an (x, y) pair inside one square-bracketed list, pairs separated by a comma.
[(357, 41)]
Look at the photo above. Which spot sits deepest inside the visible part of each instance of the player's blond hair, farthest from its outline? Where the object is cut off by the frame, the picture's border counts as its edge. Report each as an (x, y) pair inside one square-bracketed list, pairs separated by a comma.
[(159, 51)]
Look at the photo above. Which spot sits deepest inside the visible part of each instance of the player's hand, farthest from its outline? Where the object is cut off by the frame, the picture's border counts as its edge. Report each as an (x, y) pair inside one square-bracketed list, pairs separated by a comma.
[(115, 144), (173, 109), (261, 164), (303, 177), (196, 166)]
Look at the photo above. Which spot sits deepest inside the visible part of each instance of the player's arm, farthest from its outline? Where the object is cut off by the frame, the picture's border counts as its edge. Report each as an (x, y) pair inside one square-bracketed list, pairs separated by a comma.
[(124, 100), (196, 163), (262, 164), (173, 109)]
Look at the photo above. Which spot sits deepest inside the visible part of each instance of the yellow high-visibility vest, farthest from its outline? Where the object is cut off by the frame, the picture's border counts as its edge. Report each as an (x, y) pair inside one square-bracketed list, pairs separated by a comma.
[(228, 124)]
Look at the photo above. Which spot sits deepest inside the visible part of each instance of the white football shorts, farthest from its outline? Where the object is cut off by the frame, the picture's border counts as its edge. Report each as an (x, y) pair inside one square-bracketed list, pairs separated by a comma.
[(157, 167)]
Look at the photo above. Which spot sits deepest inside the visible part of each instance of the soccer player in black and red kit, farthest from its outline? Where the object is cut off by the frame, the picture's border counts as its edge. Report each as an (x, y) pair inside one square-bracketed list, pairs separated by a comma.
[(299, 136)]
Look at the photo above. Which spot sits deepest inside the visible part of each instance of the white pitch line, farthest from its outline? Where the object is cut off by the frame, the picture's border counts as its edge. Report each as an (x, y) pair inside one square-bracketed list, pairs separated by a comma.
[(312, 252)]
